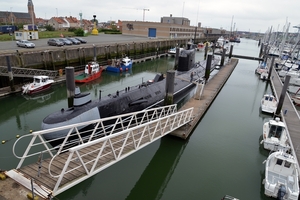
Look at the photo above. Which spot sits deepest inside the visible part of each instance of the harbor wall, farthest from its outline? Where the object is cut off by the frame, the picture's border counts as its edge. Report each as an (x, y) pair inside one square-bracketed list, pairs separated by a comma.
[(54, 59)]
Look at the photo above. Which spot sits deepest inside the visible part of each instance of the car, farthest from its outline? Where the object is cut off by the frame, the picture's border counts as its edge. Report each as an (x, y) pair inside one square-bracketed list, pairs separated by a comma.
[(25, 43), (65, 41), (55, 42), (81, 40), (74, 41)]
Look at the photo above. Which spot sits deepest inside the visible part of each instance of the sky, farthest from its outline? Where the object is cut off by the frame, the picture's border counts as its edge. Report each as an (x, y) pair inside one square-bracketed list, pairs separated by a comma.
[(241, 15)]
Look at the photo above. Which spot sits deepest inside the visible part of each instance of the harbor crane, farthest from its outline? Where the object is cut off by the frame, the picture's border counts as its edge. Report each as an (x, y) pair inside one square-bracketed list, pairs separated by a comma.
[(144, 10)]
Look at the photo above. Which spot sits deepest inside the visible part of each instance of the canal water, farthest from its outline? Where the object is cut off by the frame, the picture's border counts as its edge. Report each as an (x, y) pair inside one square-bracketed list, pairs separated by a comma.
[(222, 156)]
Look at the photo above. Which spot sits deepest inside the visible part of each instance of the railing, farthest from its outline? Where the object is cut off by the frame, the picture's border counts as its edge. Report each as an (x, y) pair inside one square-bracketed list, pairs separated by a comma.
[(110, 140), (26, 72)]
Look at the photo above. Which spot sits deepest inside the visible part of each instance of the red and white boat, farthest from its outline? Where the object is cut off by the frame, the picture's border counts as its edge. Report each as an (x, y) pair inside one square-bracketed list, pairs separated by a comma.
[(39, 84), (91, 72)]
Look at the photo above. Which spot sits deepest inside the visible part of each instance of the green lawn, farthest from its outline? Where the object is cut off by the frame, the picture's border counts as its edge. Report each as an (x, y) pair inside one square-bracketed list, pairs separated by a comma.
[(42, 34)]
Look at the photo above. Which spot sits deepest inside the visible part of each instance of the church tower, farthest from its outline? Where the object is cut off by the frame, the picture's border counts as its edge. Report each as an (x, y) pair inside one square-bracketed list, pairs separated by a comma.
[(31, 10)]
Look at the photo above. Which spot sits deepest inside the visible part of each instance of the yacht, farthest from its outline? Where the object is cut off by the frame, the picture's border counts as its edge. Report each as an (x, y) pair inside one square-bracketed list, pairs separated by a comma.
[(268, 103)]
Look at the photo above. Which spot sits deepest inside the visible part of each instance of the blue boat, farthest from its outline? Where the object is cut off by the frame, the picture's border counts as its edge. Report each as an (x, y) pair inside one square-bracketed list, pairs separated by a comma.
[(118, 66)]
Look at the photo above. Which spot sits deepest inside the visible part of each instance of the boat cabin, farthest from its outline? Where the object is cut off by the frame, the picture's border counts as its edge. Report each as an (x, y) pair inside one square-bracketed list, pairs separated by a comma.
[(40, 79), (91, 68), (275, 131)]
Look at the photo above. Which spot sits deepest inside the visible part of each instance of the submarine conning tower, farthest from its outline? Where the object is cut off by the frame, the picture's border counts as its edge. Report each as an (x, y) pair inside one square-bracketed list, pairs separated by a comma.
[(186, 60)]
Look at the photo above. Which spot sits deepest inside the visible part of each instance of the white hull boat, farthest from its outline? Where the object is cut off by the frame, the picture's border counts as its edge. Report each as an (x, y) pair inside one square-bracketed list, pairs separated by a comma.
[(293, 89), (281, 176), (39, 84), (268, 103), (275, 136), (262, 67)]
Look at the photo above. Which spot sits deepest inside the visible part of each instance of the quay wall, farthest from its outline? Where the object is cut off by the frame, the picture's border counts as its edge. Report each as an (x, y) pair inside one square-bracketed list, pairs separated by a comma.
[(61, 57)]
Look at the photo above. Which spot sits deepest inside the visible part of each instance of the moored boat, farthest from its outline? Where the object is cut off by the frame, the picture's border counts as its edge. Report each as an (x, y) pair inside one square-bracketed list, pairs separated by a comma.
[(39, 84), (262, 67), (120, 65), (92, 71), (275, 136), (281, 176), (268, 103)]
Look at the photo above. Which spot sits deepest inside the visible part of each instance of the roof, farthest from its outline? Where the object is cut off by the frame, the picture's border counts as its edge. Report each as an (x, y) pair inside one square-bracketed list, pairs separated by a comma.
[(58, 20), (20, 15), (72, 19)]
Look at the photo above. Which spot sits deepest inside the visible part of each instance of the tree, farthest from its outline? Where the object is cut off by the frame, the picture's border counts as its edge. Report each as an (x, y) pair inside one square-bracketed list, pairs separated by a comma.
[(48, 27), (79, 32)]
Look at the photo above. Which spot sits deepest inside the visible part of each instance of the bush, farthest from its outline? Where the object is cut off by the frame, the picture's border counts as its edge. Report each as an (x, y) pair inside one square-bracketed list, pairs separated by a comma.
[(79, 32), (49, 27), (72, 29)]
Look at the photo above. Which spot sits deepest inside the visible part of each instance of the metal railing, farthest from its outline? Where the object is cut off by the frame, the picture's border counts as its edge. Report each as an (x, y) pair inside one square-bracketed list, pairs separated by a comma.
[(106, 144), (26, 72)]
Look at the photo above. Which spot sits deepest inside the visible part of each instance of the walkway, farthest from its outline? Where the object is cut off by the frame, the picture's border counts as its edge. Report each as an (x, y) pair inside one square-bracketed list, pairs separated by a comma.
[(291, 118)]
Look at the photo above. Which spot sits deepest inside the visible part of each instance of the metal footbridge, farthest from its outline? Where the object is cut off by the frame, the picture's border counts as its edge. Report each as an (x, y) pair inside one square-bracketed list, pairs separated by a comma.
[(83, 154), (27, 72)]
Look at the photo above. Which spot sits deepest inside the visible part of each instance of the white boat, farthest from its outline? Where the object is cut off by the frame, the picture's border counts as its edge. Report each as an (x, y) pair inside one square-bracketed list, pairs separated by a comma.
[(172, 51), (39, 84), (281, 176), (262, 67), (275, 136), (268, 103), (264, 75), (293, 89)]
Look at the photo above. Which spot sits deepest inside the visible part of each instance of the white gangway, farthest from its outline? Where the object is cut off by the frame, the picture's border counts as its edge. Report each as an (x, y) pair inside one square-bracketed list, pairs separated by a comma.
[(73, 161)]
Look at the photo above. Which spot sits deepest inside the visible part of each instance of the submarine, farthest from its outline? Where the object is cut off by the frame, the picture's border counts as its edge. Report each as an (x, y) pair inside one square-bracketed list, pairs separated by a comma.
[(131, 99)]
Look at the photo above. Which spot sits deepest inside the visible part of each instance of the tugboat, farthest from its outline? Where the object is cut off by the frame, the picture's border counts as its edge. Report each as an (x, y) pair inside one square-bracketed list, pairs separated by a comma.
[(130, 99), (91, 72)]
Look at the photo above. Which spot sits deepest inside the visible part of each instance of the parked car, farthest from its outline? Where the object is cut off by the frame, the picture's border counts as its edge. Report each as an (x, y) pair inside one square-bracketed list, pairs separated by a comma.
[(25, 43), (81, 40), (65, 41), (55, 42), (74, 41)]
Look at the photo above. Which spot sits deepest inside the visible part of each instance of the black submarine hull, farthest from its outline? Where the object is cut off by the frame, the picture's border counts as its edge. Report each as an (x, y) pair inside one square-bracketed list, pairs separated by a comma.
[(125, 101)]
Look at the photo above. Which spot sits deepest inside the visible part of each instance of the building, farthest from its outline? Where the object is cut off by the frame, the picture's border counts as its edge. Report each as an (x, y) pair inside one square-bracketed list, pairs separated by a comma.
[(18, 18), (169, 27)]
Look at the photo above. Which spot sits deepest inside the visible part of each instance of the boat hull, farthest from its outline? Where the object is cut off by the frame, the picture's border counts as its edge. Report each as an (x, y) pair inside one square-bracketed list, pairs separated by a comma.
[(85, 78), (35, 90)]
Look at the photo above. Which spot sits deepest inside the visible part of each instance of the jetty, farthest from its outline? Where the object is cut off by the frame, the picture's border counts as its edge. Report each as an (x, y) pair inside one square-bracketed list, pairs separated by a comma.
[(202, 102)]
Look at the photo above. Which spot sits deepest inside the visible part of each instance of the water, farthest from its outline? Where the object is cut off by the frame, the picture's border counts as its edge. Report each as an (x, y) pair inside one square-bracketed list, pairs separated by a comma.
[(222, 156)]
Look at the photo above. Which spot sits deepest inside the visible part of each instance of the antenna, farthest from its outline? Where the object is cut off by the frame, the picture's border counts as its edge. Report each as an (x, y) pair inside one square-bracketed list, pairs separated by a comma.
[(183, 8)]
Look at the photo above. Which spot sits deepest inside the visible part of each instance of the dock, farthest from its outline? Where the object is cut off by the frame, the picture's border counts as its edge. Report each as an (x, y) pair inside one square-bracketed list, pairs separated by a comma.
[(289, 114), (209, 93)]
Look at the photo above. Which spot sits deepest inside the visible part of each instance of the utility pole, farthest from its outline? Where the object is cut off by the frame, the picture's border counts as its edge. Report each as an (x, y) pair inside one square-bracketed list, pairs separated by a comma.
[(145, 9)]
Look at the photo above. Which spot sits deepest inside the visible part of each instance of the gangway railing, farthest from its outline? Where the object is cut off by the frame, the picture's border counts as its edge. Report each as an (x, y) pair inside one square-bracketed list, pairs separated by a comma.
[(101, 149), (27, 72)]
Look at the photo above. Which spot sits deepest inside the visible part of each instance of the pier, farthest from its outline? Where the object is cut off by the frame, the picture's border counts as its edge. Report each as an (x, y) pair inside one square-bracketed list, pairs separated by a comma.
[(209, 93), (289, 114)]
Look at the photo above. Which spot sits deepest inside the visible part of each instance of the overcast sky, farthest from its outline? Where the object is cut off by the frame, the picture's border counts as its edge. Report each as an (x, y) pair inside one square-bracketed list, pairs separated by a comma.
[(241, 15)]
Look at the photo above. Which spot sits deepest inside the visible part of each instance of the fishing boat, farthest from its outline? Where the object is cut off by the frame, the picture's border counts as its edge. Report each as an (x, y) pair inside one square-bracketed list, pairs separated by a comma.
[(281, 176), (125, 100), (39, 84), (275, 136), (268, 103), (120, 65), (92, 71)]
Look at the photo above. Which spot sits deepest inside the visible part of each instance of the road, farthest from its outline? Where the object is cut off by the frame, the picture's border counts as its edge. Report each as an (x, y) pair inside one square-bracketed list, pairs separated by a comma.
[(101, 39)]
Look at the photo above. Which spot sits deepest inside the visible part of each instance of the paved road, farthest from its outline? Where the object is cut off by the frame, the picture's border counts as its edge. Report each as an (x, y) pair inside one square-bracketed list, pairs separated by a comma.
[(101, 39)]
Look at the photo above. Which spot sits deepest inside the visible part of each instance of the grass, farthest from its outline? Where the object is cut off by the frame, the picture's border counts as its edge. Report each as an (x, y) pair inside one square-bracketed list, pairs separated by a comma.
[(42, 34)]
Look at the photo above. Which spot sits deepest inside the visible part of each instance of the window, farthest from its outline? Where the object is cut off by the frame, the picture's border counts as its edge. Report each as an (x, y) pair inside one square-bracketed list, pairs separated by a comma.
[(287, 164), (279, 162)]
